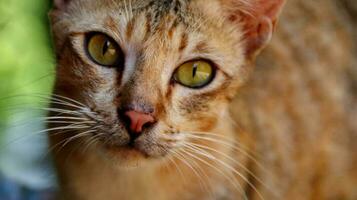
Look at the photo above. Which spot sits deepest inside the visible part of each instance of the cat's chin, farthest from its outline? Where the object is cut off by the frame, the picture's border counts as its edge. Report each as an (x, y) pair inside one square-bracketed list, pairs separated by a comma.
[(127, 157)]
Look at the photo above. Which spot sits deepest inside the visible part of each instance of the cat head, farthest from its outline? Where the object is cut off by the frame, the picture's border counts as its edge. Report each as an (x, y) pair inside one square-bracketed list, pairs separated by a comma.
[(151, 75)]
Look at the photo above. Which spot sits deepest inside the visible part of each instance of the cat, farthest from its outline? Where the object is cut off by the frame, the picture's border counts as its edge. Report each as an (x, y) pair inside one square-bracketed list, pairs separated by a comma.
[(161, 99)]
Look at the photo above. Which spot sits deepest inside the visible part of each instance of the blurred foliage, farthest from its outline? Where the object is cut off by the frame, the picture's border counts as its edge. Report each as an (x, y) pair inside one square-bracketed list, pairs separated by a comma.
[(26, 60)]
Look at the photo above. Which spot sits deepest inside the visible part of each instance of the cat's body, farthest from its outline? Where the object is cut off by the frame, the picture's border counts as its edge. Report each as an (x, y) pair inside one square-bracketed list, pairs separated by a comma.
[(288, 134), (304, 120)]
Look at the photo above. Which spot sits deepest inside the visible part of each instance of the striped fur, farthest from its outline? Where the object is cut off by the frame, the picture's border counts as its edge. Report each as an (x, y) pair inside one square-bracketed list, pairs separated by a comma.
[(286, 135)]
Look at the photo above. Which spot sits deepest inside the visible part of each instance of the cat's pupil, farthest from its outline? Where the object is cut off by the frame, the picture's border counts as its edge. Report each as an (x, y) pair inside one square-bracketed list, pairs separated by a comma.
[(194, 70), (106, 46)]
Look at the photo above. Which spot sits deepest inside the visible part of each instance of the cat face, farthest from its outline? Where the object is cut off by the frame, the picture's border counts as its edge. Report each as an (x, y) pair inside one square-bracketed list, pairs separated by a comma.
[(151, 74)]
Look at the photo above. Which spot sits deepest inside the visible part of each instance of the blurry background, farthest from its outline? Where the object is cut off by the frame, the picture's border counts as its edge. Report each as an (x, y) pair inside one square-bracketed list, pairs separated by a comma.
[(26, 68)]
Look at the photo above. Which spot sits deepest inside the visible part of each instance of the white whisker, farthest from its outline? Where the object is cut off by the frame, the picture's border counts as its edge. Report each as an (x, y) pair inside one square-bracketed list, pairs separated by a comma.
[(176, 165), (237, 163), (208, 155), (231, 178), (91, 141), (201, 182), (229, 144), (62, 117), (68, 140)]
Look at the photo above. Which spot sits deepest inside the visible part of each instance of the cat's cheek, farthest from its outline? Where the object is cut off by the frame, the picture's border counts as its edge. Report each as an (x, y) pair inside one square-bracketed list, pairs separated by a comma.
[(197, 121), (73, 70), (105, 92)]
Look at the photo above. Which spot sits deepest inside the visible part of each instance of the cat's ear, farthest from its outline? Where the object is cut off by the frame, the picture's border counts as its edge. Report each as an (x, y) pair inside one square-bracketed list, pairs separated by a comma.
[(60, 4), (258, 19)]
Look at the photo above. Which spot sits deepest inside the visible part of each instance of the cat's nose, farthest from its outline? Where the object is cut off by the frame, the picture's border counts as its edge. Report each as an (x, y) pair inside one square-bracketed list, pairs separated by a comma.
[(138, 121)]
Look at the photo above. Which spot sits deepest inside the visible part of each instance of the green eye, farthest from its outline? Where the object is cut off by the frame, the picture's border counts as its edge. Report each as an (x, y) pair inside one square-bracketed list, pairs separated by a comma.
[(195, 74), (103, 50)]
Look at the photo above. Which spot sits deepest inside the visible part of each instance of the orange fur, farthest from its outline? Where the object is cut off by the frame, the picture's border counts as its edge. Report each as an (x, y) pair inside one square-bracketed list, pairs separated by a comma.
[(286, 135)]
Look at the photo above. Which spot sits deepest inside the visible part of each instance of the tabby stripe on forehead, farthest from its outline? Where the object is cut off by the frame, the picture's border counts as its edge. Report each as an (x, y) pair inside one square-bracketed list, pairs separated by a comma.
[(184, 42), (172, 28), (130, 28), (201, 47), (148, 25), (111, 24)]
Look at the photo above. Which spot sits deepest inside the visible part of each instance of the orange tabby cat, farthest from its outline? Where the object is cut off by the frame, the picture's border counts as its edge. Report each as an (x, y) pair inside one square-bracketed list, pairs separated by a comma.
[(146, 97)]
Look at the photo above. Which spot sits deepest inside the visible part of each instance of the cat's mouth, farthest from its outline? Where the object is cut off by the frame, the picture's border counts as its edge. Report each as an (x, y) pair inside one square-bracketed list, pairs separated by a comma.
[(136, 155), (143, 148), (127, 151)]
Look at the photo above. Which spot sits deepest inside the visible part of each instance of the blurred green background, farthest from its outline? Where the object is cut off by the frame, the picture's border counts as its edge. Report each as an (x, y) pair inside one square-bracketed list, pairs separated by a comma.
[(26, 61), (26, 68)]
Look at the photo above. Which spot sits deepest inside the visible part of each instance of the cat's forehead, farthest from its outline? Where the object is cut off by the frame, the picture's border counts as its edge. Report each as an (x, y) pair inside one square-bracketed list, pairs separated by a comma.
[(183, 11), (149, 16), (157, 7)]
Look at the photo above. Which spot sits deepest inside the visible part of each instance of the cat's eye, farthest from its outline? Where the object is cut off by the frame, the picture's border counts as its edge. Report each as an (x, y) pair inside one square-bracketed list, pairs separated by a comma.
[(195, 74), (103, 50)]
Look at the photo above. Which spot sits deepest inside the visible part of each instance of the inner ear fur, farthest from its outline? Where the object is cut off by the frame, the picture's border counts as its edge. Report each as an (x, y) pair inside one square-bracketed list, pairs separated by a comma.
[(257, 18)]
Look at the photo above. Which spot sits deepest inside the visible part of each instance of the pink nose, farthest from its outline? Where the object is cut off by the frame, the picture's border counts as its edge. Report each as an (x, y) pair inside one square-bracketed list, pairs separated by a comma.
[(138, 120)]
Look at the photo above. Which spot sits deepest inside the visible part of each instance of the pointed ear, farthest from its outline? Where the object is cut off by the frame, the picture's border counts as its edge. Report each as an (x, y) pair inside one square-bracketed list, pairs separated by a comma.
[(258, 19), (60, 4)]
